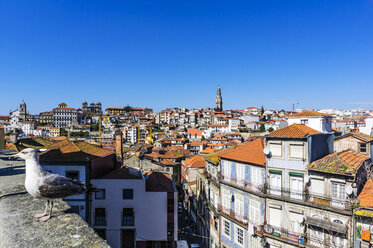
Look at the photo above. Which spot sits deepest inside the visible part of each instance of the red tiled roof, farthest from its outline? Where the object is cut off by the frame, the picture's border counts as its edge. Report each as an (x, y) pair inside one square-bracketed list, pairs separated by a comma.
[(346, 162), (158, 182), (122, 173), (294, 130), (249, 152), (72, 152), (196, 161), (167, 162), (358, 135), (172, 155), (366, 195), (208, 150), (308, 113)]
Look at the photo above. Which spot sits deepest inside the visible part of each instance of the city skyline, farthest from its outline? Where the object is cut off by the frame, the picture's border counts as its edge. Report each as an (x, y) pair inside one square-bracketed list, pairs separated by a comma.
[(176, 54)]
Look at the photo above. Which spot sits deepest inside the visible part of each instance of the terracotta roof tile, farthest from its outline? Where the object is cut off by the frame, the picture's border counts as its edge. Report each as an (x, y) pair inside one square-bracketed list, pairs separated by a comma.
[(159, 182), (345, 163), (358, 135), (208, 150), (249, 152), (366, 195), (294, 130), (308, 113), (123, 173), (196, 161), (172, 155)]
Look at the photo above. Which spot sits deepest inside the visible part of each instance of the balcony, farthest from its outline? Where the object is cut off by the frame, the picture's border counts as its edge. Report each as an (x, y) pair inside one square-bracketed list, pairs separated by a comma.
[(242, 184), (326, 241), (310, 198), (284, 234), (231, 214)]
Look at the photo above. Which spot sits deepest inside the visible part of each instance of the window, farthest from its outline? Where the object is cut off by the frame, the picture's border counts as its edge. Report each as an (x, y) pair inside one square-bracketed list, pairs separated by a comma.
[(254, 211), (127, 194), (256, 176), (227, 228), (73, 174), (100, 194), (226, 199), (240, 173), (304, 121), (275, 217), (238, 205), (239, 235), (296, 151), (338, 190), (100, 217), (317, 187), (296, 187), (363, 147), (128, 217), (275, 184), (276, 149), (226, 170), (170, 205)]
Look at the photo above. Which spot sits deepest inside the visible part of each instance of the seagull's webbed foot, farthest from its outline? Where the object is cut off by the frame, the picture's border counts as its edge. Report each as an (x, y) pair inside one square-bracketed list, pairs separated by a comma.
[(40, 215), (45, 211), (45, 218)]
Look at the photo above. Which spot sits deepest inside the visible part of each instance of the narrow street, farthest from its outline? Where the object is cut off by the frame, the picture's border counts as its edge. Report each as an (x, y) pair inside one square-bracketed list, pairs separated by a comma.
[(187, 230)]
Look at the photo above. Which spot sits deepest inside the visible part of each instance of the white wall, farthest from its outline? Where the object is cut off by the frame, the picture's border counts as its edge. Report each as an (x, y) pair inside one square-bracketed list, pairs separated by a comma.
[(150, 210), (368, 129), (321, 124)]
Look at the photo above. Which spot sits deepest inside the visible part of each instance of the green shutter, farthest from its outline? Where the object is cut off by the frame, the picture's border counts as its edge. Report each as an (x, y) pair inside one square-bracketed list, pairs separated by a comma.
[(275, 172), (296, 174)]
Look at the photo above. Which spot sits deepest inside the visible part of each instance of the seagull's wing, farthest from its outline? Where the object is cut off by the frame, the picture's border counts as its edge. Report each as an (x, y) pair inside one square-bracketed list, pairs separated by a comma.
[(56, 186)]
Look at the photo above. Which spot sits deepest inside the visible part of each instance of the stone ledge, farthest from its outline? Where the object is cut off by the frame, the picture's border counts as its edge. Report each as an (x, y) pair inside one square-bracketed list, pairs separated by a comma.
[(18, 227)]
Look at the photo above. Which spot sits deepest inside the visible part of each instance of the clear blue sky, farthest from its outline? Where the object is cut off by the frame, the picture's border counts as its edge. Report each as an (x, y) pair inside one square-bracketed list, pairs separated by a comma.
[(175, 53)]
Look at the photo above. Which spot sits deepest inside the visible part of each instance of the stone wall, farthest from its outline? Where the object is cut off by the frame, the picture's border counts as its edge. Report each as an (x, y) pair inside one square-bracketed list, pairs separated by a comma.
[(18, 227)]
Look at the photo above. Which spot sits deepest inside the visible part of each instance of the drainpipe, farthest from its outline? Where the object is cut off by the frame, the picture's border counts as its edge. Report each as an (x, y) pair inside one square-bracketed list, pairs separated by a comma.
[(353, 229)]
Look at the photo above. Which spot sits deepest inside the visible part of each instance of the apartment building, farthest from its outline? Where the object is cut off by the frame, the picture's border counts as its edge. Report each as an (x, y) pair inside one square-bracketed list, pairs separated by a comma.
[(145, 210), (289, 150), (242, 185), (64, 116)]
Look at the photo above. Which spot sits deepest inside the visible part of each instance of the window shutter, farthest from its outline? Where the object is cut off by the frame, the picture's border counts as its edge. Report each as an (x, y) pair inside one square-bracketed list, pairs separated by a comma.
[(296, 151), (276, 149)]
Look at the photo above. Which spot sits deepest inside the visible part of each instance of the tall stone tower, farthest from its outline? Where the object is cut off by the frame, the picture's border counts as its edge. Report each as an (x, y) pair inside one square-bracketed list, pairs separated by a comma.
[(22, 110), (219, 100)]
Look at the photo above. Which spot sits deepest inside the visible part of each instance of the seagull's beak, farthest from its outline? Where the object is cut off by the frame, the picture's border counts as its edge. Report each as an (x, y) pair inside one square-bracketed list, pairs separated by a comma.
[(14, 156)]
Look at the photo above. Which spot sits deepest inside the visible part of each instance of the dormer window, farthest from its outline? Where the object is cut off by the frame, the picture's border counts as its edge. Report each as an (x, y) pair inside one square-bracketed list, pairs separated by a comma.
[(362, 147)]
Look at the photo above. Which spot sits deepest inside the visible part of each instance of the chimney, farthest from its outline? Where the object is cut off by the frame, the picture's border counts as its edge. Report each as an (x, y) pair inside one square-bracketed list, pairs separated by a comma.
[(119, 144)]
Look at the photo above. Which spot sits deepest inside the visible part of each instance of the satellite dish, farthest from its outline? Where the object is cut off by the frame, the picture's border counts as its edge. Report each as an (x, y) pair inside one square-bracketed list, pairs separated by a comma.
[(349, 190), (306, 179), (266, 150)]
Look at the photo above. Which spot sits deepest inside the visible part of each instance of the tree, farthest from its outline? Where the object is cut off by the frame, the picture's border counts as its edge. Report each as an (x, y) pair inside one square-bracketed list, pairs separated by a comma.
[(270, 129), (262, 128)]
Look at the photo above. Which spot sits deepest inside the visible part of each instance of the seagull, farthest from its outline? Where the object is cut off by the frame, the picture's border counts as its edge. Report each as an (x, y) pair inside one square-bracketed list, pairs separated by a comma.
[(45, 185)]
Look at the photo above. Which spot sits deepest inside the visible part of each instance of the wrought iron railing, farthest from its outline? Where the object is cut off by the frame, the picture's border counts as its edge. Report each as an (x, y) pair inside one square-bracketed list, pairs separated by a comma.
[(306, 196), (292, 237), (242, 183)]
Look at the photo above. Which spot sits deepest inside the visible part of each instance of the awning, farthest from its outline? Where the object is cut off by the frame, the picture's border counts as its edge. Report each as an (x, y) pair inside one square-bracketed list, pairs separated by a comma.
[(328, 225)]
